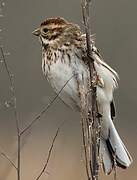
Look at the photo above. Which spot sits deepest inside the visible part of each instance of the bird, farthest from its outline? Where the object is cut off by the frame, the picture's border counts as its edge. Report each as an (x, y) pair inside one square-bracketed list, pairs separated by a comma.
[(63, 48)]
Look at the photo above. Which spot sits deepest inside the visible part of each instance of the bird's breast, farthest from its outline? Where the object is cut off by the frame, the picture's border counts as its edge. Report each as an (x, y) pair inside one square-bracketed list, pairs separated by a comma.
[(62, 69)]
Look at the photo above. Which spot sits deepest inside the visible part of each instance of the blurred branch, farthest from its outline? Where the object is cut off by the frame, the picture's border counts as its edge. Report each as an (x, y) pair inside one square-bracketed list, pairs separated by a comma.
[(8, 158), (8, 168), (14, 106), (49, 153), (44, 109)]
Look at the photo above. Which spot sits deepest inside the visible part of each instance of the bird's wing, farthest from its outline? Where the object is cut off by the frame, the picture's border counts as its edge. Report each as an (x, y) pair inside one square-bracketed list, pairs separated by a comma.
[(112, 109)]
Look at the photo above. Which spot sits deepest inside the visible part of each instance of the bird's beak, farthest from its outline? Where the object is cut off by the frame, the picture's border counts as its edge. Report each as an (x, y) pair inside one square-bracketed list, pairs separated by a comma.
[(36, 32)]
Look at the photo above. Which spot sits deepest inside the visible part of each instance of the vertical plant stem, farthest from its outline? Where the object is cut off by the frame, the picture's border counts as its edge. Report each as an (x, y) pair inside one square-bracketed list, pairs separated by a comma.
[(85, 146), (93, 119), (19, 155), (14, 106)]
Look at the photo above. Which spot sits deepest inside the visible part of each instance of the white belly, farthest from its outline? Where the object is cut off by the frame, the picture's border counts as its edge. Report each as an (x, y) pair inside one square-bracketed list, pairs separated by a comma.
[(60, 73)]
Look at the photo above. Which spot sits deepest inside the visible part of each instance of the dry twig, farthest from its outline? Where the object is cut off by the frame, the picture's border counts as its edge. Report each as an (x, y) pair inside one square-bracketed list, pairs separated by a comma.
[(14, 106), (44, 109), (85, 127), (9, 159), (91, 121), (49, 153)]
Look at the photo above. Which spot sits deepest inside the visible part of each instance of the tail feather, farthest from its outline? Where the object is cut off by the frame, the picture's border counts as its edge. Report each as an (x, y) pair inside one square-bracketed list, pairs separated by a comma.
[(106, 157), (113, 155), (122, 155), (112, 148)]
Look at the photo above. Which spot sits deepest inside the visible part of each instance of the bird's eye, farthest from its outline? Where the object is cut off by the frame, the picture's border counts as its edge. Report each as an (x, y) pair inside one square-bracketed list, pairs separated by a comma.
[(45, 30)]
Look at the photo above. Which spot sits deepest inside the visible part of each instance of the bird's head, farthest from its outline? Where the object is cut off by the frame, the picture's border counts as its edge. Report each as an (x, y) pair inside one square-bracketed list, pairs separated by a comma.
[(57, 32)]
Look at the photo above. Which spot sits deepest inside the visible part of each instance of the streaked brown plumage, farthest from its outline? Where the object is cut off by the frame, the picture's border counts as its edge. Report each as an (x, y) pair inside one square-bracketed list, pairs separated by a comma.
[(63, 47)]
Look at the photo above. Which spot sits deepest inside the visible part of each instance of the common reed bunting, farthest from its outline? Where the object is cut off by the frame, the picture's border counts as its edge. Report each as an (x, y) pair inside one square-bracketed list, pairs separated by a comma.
[(63, 47)]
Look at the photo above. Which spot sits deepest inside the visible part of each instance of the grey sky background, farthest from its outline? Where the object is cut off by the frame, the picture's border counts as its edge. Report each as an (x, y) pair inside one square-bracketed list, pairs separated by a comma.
[(115, 26)]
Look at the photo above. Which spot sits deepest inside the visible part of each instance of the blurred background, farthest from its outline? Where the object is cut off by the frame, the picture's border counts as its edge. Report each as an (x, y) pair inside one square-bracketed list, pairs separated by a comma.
[(115, 26)]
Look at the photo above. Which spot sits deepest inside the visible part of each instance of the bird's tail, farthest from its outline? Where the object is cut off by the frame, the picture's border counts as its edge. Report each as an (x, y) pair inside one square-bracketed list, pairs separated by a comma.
[(113, 150)]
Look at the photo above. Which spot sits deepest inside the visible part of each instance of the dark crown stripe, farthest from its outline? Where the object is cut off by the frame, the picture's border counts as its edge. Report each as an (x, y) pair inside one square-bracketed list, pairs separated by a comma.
[(55, 21)]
